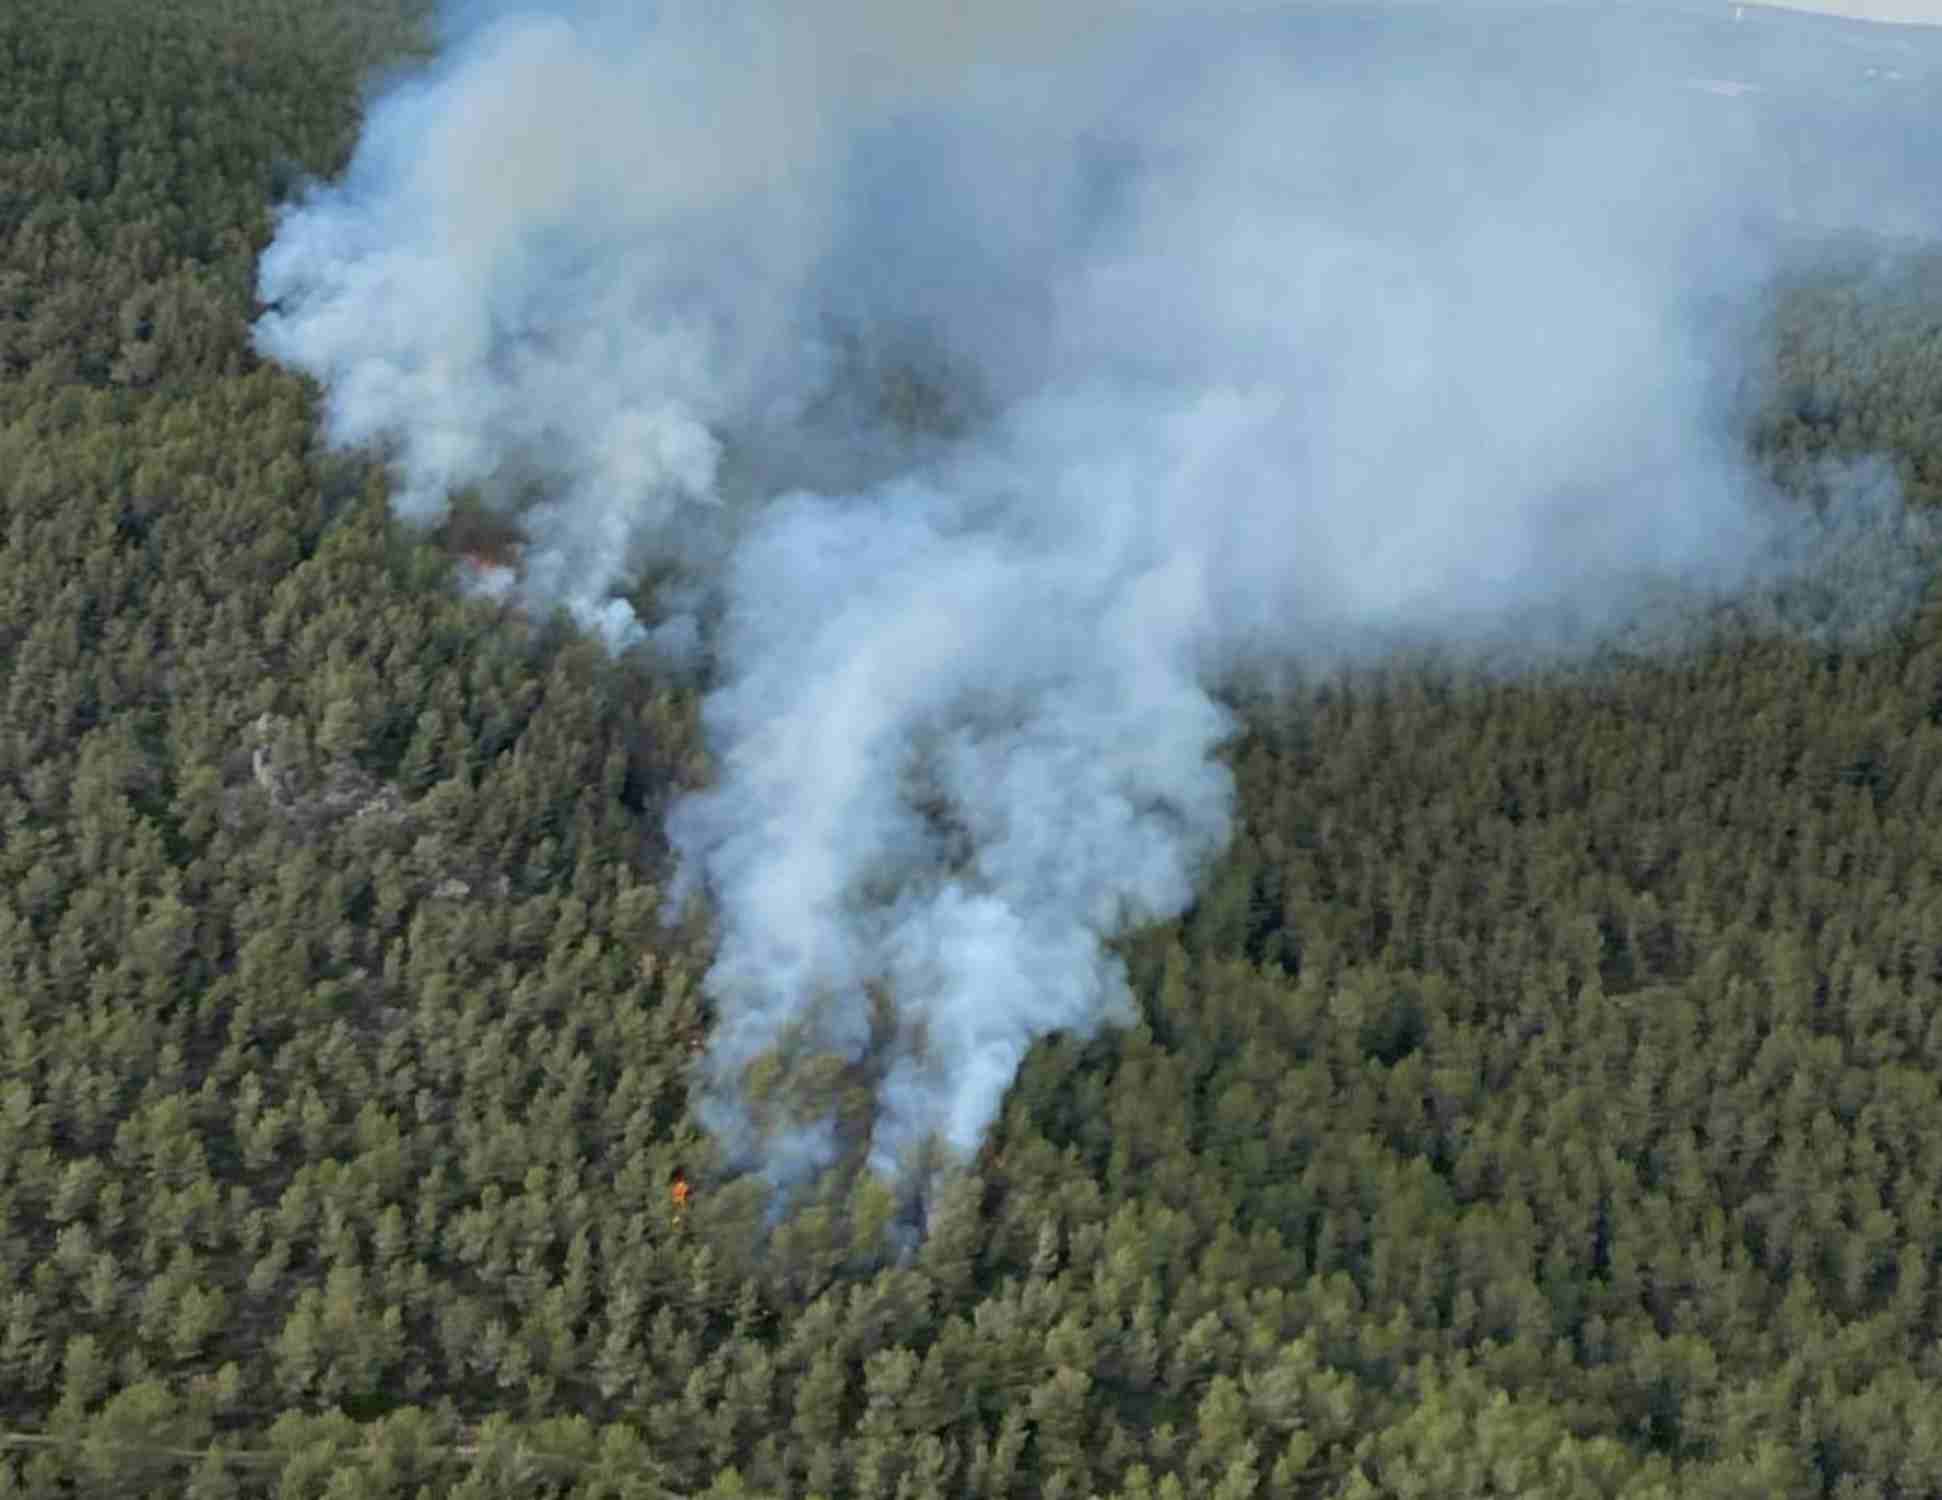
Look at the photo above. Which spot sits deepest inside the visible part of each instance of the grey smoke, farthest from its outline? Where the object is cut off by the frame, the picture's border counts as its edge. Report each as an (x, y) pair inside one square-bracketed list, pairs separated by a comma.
[(1251, 333)]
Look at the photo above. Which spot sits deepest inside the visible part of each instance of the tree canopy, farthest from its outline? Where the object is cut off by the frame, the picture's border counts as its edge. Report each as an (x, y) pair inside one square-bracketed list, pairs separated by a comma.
[(1543, 1096)]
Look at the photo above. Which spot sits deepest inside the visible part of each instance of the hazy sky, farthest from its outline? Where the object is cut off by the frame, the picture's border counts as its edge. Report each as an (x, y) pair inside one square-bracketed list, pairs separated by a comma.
[(1905, 12)]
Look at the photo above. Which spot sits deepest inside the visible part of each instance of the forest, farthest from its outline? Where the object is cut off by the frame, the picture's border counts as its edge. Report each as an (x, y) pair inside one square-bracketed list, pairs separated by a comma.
[(1544, 1095)]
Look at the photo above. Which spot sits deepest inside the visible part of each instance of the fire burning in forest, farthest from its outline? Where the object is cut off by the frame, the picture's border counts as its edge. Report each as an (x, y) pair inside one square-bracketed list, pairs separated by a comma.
[(1224, 335)]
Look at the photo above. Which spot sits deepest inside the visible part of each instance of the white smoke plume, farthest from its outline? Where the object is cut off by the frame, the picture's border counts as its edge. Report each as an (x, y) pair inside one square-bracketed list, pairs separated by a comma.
[(1229, 333)]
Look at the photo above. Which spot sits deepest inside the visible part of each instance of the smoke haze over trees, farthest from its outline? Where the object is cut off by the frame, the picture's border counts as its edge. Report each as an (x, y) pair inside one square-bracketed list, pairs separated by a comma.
[(1257, 337)]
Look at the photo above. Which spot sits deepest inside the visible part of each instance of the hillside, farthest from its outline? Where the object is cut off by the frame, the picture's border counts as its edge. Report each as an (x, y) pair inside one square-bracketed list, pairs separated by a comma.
[(1544, 1095)]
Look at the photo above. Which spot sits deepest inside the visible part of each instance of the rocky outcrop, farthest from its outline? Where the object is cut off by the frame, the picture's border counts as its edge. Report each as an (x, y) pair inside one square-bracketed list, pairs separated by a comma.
[(331, 793)]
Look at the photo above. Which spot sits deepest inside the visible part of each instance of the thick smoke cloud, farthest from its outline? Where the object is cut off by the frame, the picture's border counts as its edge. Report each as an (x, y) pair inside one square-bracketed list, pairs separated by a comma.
[(993, 379)]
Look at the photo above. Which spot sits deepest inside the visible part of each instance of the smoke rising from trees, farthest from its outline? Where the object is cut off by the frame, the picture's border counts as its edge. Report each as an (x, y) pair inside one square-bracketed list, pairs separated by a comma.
[(991, 381)]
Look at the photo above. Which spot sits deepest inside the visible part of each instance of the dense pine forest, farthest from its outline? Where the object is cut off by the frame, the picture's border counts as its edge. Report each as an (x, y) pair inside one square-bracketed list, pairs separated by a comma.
[(1545, 1096)]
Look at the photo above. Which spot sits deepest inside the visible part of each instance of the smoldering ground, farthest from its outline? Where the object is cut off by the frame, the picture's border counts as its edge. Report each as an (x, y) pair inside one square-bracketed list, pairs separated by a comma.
[(991, 381)]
